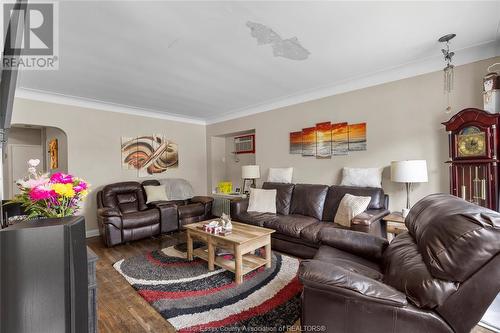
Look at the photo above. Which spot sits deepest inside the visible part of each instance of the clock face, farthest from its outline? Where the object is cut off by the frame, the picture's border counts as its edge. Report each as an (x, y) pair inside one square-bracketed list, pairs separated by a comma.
[(471, 141)]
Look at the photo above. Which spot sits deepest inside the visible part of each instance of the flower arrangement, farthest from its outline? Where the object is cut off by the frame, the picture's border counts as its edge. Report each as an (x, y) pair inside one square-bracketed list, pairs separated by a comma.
[(56, 196)]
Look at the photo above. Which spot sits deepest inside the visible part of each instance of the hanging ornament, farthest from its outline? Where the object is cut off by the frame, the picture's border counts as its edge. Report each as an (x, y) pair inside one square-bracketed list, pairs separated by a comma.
[(448, 72)]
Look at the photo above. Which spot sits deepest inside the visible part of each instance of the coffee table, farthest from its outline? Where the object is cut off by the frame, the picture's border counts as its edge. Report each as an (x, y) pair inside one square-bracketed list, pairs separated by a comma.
[(242, 242)]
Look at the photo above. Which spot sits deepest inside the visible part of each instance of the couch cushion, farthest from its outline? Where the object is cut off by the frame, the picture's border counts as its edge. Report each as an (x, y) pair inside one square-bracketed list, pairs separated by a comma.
[(455, 237), (405, 270), (312, 231), (290, 225), (335, 256), (140, 219), (255, 218), (283, 196), (194, 209), (336, 193), (308, 200)]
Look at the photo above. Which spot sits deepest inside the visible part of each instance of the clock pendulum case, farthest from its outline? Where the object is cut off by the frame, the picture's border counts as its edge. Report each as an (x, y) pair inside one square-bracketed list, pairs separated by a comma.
[(473, 156)]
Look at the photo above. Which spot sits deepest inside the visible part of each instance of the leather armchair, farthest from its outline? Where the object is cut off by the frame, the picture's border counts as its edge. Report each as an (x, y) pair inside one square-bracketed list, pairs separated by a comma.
[(123, 215), (440, 276)]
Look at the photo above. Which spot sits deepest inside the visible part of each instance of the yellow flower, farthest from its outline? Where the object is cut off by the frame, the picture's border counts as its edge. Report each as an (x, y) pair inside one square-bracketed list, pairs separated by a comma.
[(65, 190), (84, 193)]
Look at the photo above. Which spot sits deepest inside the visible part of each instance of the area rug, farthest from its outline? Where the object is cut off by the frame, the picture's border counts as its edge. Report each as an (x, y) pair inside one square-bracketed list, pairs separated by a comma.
[(194, 299)]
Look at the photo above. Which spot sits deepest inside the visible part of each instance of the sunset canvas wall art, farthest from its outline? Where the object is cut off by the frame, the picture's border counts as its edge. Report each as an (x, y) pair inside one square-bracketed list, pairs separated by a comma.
[(296, 143), (357, 137), (324, 140), (340, 139), (309, 141)]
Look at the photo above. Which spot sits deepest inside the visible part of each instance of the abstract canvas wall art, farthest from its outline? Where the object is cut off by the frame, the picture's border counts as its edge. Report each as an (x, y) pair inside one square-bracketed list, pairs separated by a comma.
[(324, 140), (357, 137), (309, 141), (149, 154), (340, 139), (296, 143)]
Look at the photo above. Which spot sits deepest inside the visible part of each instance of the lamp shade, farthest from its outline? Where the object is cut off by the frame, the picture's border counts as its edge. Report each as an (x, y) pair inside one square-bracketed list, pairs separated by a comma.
[(413, 171), (250, 172)]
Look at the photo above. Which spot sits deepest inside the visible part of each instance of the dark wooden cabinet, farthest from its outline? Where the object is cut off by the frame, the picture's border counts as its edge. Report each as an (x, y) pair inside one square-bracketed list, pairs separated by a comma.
[(473, 156)]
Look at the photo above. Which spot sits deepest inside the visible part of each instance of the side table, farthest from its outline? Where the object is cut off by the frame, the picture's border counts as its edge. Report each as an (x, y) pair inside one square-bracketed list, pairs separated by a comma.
[(395, 224)]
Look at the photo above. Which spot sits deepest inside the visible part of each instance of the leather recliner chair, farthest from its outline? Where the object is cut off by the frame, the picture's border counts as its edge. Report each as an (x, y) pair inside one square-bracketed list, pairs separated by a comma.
[(123, 215), (440, 276)]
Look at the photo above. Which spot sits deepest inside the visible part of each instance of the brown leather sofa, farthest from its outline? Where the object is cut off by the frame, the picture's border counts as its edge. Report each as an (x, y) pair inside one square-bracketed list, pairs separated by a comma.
[(124, 216), (303, 211), (440, 276)]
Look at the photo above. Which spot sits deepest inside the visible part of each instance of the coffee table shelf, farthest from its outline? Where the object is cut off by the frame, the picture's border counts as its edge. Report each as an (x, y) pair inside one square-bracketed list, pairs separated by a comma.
[(250, 262)]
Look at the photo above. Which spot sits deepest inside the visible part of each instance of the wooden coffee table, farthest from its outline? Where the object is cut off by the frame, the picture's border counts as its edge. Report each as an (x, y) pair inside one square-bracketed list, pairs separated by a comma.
[(242, 242)]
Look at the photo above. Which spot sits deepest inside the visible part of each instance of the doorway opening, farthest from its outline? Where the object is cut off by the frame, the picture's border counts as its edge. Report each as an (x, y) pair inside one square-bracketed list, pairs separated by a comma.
[(45, 143)]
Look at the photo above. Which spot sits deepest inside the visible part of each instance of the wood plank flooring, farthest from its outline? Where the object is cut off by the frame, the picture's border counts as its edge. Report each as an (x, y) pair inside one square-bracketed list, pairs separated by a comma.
[(120, 308)]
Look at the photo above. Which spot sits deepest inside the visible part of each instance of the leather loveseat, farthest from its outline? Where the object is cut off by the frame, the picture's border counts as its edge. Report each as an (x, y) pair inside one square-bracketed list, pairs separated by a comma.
[(440, 276), (303, 211), (124, 216)]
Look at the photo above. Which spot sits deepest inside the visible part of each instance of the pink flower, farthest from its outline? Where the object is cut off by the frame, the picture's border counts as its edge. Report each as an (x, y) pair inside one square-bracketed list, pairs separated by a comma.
[(81, 186), (33, 182), (41, 193), (61, 178)]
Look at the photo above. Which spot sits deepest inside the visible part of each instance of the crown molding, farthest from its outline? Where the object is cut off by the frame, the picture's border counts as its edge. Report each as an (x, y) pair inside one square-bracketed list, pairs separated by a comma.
[(50, 97), (464, 56)]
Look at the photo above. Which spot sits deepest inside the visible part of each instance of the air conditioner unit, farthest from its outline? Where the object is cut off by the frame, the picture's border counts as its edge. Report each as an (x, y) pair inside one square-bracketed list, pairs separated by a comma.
[(244, 144)]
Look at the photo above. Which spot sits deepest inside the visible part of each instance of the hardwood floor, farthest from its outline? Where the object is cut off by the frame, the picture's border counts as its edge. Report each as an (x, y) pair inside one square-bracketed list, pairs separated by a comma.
[(120, 308)]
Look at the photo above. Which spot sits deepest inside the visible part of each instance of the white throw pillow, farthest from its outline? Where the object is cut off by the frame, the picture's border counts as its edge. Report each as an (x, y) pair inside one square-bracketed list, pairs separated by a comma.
[(155, 193), (280, 175), (362, 177), (350, 206), (262, 201)]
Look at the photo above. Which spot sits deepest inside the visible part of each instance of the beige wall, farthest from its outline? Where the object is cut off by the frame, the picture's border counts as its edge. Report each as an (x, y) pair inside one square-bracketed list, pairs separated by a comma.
[(94, 139), (404, 122)]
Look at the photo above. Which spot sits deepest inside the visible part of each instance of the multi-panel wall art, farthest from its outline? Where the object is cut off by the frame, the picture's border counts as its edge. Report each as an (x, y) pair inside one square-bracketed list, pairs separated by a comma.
[(326, 139), (149, 154)]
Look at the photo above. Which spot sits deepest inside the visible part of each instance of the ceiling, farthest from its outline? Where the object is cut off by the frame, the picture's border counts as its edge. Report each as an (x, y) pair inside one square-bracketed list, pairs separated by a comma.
[(197, 61)]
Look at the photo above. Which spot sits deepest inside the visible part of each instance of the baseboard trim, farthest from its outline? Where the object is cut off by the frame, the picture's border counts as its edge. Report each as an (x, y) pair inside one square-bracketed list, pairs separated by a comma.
[(92, 233)]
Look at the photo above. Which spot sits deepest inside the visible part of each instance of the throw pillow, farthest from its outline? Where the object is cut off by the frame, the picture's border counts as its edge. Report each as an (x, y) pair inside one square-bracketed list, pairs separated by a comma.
[(350, 206), (262, 201), (362, 177), (155, 193), (280, 175)]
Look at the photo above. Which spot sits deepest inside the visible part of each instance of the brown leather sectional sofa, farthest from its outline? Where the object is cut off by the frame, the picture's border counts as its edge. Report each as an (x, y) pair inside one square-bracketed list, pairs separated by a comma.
[(124, 216), (304, 211), (440, 276)]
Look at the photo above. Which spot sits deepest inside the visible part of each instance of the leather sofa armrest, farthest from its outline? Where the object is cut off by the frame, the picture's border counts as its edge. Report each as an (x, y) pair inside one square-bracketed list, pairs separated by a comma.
[(169, 218), (108, 212), (369, 216), (238, 206), (202, 199), (329, 277), (359, 243)]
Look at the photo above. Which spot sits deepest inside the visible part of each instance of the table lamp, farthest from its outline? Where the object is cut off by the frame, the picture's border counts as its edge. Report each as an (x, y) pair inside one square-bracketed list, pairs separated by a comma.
[(409, 172), (250, 172)]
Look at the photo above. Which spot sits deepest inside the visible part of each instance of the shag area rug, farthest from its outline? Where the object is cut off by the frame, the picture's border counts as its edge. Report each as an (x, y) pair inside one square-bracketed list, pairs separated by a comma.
[(194, 299)]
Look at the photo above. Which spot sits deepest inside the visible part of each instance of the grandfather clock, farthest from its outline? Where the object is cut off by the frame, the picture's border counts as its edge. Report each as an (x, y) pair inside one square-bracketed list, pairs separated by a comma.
[(473, 136)]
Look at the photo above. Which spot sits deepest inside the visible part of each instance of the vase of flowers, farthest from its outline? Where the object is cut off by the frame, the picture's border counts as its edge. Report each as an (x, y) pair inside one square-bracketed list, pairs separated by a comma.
[(58, 195)]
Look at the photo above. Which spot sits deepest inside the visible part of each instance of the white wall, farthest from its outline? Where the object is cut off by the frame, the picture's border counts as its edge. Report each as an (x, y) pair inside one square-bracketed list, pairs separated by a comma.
[(94, 139), (403, 122), (234, 163)]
